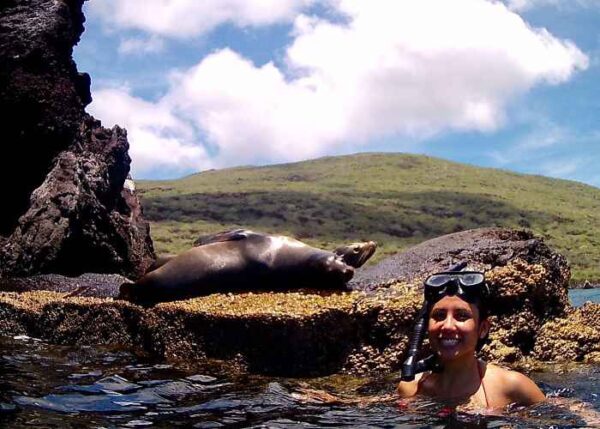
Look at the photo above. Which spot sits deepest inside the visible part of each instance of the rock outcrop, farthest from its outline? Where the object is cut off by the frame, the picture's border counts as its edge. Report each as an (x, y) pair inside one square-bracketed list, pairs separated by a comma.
[(484, 248), (65, 207), (529, 281), (312, 333), (574, 338)]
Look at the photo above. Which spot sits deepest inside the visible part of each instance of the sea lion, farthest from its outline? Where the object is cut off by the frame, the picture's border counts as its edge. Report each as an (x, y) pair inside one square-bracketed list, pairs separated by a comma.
[(243, 260), (229, 235), (160, 260), (354, 254)]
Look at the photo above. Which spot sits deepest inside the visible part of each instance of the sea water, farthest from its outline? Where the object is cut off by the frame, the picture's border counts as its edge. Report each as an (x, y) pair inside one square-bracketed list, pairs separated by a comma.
[(50, 386), (579, 296)]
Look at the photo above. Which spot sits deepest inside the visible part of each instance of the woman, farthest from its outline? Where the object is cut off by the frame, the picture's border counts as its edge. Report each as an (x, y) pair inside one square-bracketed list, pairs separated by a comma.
[(457, 325)]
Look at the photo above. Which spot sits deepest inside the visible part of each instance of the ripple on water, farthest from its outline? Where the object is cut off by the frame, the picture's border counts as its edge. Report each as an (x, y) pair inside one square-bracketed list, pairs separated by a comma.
[(100, 387)]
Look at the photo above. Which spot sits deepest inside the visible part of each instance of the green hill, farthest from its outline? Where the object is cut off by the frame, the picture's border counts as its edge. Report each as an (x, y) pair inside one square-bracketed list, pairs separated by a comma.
[(396, 199)]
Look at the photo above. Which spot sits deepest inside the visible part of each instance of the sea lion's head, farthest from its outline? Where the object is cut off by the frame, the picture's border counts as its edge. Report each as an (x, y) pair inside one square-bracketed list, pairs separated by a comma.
[(356, 254), (329, 270)]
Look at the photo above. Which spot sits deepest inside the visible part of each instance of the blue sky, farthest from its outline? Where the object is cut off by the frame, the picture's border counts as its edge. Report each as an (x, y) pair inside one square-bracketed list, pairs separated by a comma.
[(218, 83)]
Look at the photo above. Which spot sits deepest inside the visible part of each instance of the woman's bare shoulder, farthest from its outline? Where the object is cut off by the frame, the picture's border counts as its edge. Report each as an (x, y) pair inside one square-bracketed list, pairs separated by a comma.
[(407, 389), (516, 387)]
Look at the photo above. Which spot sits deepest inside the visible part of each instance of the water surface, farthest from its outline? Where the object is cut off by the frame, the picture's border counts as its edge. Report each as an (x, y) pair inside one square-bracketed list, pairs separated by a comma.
[(579, 296), (49, 386)]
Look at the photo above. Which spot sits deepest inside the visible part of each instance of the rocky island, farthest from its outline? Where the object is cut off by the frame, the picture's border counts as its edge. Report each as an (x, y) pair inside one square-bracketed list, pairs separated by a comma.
[(73, 230)]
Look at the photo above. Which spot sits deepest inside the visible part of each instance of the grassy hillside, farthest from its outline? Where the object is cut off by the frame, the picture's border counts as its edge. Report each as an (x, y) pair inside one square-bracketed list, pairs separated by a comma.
[(396, 199)]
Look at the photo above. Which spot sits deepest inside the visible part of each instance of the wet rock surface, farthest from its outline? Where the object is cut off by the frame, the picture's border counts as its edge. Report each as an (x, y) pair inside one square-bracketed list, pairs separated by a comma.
[(66, 209), (85, 285)]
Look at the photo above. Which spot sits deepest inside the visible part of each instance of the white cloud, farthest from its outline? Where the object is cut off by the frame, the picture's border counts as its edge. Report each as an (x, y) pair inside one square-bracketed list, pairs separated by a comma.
[(394, 68), (552, 150), (537, 144), (546, 135), (188, 18), (563, 168), (139, 45), (520, 5), (157, 138), (251, 113), (391, 68)]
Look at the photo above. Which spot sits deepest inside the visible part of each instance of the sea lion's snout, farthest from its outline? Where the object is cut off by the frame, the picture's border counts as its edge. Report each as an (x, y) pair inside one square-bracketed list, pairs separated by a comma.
[(368, 250), (356, 254)]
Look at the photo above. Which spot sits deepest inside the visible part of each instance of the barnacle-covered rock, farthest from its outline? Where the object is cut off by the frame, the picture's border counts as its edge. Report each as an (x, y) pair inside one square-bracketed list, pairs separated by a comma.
[(307, 332), (386, 319), (483, 249), (572, 338), (290, 333), (524, 297), (60, 319)]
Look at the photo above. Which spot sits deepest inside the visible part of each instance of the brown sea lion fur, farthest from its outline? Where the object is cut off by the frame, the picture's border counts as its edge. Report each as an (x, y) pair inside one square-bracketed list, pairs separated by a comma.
[(243, 260)]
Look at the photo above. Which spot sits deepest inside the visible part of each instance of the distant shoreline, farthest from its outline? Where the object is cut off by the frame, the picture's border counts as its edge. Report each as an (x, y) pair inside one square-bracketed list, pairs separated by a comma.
[(585, 285)]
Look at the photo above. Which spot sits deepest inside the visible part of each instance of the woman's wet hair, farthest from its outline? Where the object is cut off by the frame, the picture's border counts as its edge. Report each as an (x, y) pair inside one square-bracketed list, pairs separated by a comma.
[(484, 313)]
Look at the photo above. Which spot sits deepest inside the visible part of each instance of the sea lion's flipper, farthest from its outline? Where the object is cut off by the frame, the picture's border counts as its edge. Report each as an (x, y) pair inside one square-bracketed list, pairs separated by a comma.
[(231, 235), (126, 291), (131, 292)]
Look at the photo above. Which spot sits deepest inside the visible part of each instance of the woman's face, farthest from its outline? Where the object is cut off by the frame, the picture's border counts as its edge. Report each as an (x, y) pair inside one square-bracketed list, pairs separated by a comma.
[(454, 328)]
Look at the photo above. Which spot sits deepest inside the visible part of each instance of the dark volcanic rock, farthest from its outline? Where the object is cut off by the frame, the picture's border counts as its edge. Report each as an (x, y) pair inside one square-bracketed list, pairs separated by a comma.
[(65, 208), (42, 108), (85, 285), (79, 220), (484, 248)]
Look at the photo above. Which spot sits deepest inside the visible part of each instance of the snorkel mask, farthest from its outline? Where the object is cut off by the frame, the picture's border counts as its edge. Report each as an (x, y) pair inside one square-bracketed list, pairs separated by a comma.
[(470, 286), (467, 285)]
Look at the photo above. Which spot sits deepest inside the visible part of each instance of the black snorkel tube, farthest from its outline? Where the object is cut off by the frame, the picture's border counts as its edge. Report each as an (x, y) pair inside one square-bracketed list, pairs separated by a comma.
[(411, 366)]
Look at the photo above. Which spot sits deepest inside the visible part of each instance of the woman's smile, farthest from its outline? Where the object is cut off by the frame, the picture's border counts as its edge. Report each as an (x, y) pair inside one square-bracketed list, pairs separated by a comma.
[(449, 342)]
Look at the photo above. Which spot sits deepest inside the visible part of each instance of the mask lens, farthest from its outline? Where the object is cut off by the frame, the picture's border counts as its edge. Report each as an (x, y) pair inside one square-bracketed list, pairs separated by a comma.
[(438, 280), (471, 279)]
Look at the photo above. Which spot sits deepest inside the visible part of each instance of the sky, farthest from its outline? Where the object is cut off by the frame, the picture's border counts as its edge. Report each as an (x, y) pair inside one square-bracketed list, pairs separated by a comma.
[(202, 84)]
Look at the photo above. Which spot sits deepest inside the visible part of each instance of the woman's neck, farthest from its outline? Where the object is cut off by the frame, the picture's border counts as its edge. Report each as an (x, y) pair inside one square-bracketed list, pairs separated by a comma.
[(460, 376)]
